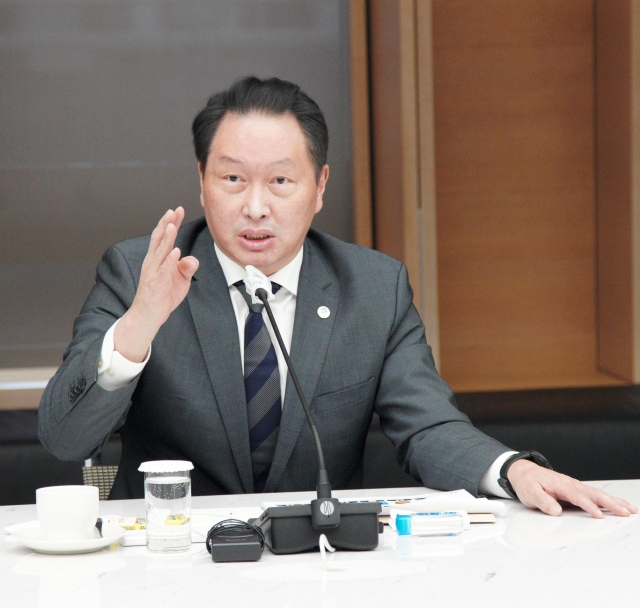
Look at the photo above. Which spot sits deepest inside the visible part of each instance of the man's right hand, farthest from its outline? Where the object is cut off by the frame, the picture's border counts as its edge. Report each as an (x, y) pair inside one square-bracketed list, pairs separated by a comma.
[(164, 282)]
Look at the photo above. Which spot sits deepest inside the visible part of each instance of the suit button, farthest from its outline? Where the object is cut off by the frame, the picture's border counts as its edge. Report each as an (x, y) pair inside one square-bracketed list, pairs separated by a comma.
[(72, 396), (82, 383)]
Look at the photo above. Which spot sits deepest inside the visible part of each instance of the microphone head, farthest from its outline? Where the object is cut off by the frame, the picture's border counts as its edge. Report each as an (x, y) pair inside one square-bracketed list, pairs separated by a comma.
[(262, 294)]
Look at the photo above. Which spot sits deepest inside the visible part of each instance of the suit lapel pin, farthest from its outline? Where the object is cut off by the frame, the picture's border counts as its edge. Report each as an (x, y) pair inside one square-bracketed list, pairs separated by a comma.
[(323, 312)]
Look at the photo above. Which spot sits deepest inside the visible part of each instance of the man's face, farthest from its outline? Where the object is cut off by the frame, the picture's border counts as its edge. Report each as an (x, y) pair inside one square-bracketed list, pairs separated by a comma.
[(259, 190)]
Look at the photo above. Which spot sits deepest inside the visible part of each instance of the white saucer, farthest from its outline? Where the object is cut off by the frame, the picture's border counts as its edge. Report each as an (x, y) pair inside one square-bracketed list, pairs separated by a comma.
[(34, 539)]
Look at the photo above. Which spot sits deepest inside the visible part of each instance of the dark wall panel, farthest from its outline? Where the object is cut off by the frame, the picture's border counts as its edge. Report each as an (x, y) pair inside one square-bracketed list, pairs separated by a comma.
[(96, 103)]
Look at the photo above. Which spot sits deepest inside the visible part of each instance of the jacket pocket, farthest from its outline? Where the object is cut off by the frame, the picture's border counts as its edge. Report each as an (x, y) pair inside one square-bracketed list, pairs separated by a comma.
[(345, 396)]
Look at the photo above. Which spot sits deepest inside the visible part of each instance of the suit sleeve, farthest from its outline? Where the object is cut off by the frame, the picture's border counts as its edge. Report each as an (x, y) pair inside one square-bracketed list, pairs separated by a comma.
[(434, 441), (77, 416)]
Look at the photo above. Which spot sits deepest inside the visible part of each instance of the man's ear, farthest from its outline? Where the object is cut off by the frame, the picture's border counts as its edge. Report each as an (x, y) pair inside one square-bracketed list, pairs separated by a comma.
[(201, 175), (322, 184)]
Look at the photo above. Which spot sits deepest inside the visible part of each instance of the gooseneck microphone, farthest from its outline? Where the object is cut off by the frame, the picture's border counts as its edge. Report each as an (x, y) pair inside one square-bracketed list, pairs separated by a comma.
[(295, 528), (325, 511)]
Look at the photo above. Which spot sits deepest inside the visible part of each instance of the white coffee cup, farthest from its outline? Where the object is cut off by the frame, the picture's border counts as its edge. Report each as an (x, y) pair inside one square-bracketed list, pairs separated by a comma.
[(67, 512)]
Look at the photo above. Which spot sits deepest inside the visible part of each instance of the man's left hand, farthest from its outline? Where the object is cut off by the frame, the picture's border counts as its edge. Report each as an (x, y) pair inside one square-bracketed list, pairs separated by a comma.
[(541, 488)]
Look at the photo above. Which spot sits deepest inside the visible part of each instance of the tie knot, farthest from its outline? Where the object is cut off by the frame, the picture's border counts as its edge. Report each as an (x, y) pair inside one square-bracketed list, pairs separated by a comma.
[(257, 308)]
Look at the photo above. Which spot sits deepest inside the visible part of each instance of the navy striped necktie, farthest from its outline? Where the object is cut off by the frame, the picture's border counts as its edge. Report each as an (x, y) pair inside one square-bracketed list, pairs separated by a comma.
[(262, 389)]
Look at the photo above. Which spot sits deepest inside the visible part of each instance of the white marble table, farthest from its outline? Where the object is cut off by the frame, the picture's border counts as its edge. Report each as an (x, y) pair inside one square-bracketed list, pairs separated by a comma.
[(526, 559)]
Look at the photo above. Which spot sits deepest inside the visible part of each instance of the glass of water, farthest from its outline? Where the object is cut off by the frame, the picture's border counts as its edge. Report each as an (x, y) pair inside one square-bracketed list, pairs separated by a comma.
[(167, 494)]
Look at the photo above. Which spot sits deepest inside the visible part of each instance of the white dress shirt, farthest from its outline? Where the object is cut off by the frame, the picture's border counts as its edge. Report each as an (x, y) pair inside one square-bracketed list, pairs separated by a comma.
[(283, 307), (114, 371)]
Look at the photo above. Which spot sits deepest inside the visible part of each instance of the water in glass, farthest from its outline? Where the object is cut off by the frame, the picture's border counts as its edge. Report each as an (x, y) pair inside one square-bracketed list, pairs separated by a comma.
[(168, 505)]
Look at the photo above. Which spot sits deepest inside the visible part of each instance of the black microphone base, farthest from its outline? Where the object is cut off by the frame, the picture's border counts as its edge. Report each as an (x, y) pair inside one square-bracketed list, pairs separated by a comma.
[(289, 530)]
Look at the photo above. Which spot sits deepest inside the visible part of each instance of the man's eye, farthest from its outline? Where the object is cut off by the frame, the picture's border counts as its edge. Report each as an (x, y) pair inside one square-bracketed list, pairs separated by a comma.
[(281, 180), (233, 178)]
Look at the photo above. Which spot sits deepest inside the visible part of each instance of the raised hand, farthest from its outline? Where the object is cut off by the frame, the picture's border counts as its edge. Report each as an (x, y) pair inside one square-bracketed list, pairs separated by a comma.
[(164, 282), (541, 488)]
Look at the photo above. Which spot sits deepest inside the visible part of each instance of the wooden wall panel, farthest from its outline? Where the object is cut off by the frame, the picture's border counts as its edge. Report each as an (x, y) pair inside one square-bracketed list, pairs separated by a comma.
[(615, 268), (427, 177), (385, 127), (361, 137), (22, 388), (395, 136), (402, 132), (635, 183), (515, 183)]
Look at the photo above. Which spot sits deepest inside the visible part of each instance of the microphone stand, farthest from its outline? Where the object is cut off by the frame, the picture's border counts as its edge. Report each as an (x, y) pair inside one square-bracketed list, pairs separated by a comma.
[(296, 528)]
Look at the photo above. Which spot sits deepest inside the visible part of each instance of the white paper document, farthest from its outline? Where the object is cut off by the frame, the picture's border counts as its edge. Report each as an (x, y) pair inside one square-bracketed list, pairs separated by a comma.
[(458, 500)]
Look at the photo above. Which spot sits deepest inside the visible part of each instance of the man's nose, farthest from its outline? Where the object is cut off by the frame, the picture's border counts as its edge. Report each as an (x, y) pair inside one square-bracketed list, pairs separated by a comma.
[(256, 206)]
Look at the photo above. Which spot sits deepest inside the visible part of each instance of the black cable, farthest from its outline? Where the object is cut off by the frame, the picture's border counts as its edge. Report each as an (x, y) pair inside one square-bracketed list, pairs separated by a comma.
[(234, 525)]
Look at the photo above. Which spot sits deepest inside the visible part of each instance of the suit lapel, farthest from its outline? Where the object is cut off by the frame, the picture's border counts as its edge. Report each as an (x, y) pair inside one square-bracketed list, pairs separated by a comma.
[(311, 335), (217, 331)]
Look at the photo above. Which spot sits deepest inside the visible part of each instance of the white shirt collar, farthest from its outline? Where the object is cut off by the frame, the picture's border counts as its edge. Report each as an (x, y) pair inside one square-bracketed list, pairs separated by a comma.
[(287, 277)]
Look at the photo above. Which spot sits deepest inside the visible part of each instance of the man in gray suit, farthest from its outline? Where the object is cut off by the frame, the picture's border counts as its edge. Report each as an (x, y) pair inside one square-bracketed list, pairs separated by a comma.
[(171, 349)]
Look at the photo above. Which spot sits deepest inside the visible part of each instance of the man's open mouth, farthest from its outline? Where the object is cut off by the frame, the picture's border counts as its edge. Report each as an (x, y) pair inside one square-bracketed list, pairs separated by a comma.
[(256, 237)]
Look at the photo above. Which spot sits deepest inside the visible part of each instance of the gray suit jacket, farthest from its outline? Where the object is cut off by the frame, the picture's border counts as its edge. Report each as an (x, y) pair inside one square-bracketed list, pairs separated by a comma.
[(189, 403)]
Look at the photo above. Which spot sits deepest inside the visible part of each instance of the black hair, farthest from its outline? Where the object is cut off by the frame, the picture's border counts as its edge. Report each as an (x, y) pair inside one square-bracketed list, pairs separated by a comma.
[(271, 97)]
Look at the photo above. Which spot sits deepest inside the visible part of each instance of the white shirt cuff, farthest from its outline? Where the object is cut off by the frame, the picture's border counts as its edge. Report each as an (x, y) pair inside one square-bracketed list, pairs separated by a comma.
[(114, 371), (489, 480)]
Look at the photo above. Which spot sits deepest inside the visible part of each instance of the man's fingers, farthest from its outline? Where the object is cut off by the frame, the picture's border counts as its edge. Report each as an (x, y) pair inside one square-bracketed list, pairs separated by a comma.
[(538, 498), (162, 280), (179, 216), (541, 488), (188, 266), (590, 499), (158, 232), (165, 247), (617, 506), (586, 497), (171, 259), (562, 487), (631, 508), (580, 499)]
